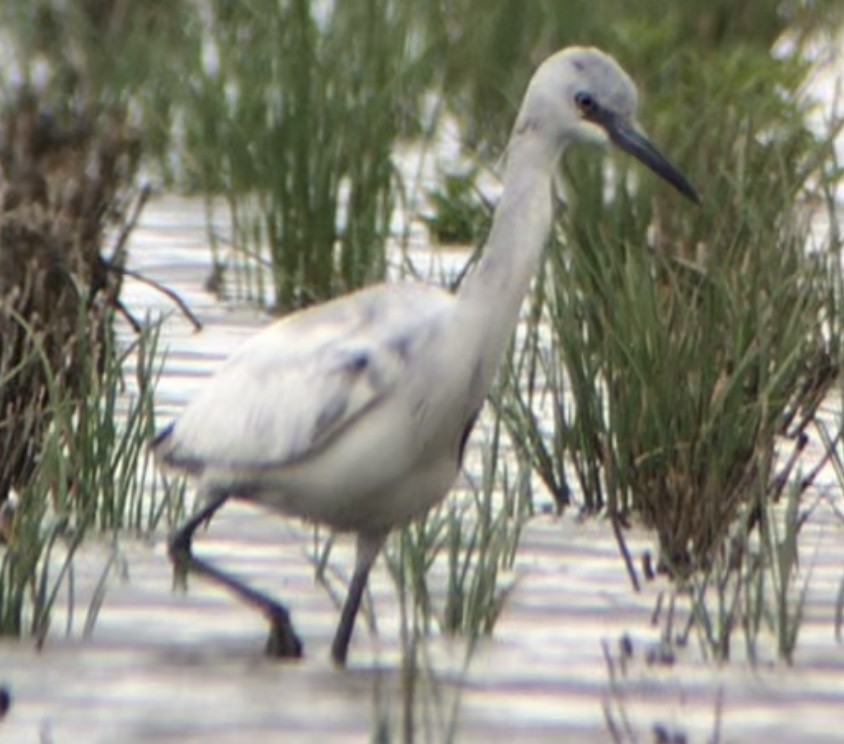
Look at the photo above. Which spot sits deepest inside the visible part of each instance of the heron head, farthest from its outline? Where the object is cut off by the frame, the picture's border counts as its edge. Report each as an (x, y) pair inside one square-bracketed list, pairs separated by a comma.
[(582, 95)]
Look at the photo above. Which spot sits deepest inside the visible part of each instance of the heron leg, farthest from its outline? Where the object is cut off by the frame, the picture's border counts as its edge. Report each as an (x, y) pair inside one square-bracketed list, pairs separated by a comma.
[(282, 641), (368, 547), (179, 544)]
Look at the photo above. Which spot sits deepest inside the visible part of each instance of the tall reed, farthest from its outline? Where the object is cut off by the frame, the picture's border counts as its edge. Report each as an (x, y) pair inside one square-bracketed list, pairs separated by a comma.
[(94, 472), (298, 135)]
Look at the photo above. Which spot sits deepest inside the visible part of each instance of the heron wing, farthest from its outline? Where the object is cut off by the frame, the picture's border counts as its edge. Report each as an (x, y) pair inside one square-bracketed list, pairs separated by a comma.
[(292, 388)]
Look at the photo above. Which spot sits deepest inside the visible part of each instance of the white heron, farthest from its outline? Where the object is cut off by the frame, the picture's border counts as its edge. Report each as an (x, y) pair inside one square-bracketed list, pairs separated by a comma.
[(355, 413)]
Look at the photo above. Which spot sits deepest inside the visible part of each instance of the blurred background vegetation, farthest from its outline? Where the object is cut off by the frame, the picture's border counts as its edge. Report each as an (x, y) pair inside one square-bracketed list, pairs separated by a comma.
[(688, 349)]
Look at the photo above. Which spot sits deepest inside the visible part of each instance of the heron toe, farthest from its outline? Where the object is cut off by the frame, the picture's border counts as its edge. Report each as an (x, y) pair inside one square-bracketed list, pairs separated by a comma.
[(282, 642)]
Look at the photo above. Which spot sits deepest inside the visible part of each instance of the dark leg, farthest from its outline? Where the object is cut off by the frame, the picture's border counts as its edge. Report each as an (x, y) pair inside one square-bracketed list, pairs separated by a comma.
[(283, 640), (179, 544), (367, 550)]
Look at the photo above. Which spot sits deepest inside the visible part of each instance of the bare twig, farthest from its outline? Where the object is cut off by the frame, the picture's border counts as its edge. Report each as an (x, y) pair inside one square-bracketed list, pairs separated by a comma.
[(130, 319), (180, 303)]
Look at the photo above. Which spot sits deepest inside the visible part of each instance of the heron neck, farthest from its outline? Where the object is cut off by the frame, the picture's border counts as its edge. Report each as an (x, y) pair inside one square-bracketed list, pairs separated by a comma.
[(494, 291)]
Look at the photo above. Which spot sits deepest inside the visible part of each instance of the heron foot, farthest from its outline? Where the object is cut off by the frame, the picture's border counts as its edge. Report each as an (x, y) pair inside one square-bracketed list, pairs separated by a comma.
[(179, 550), (282, 642)]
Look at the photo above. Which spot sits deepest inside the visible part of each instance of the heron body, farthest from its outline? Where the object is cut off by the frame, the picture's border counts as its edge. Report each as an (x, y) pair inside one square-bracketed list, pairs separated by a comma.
[(354, 413), (333, 400)]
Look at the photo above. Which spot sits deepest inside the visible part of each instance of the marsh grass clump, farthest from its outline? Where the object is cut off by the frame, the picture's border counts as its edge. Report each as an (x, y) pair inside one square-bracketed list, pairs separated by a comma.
[(92, 472), (66, 182), (69, 199), (101, 440), (750, 601), (104, 58), (451, 568), (760, 596), (298, 134)]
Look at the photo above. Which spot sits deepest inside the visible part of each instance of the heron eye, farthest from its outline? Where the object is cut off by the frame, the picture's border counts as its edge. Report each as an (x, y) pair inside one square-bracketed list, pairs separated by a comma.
[(585, 102)]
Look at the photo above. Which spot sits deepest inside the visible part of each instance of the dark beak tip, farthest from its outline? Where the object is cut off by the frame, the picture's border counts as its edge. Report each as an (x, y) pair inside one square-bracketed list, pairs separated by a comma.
[(632, 141), (673, 176)]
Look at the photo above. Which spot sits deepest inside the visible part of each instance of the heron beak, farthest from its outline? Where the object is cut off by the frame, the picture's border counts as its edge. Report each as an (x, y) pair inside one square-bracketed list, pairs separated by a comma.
[(631, 140)]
